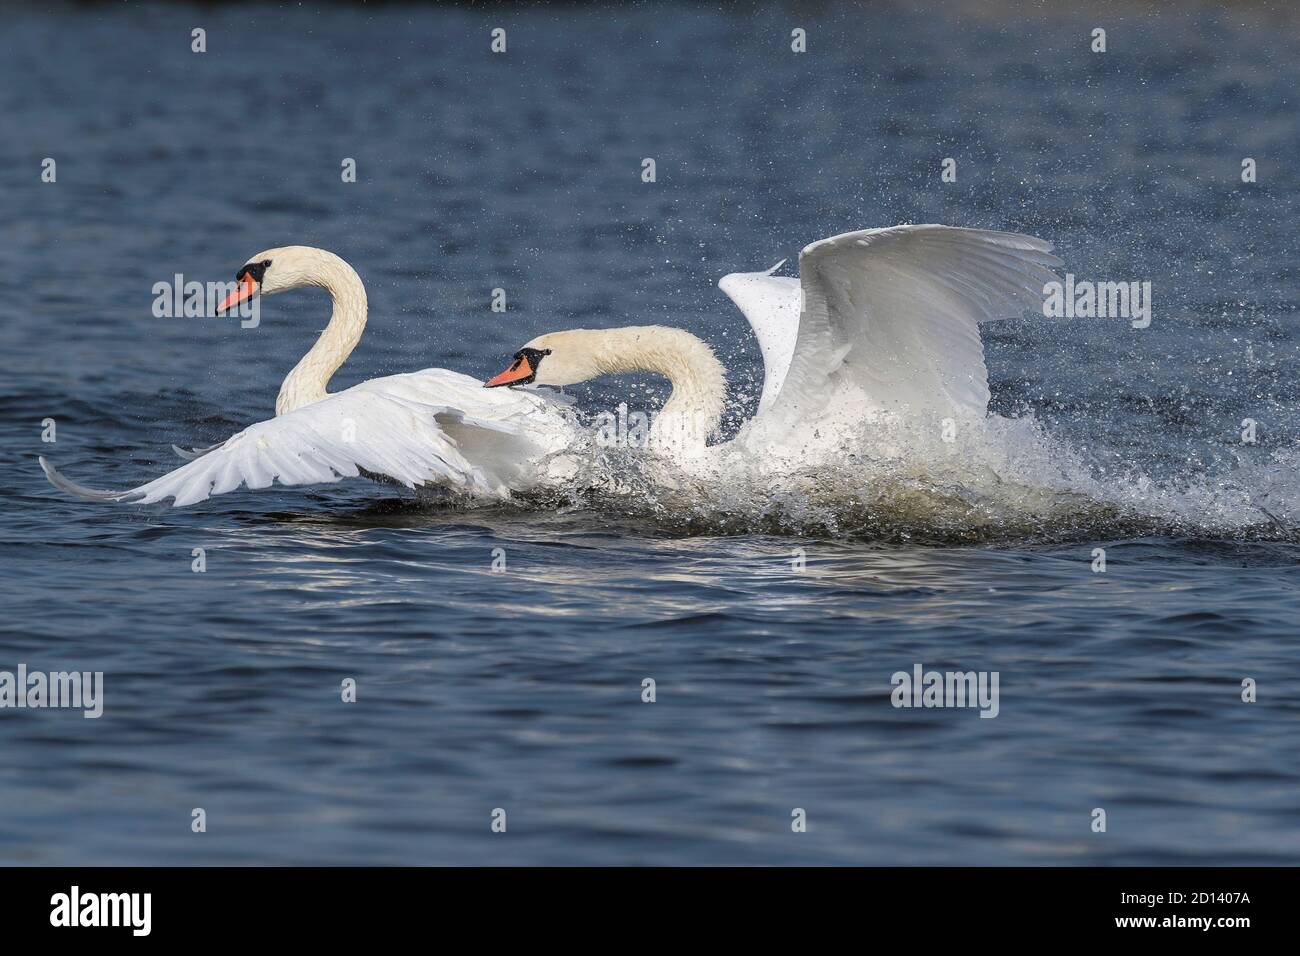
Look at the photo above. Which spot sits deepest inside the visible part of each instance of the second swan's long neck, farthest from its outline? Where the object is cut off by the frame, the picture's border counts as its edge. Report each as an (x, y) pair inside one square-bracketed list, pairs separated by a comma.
[(693, 411), (307, 382)]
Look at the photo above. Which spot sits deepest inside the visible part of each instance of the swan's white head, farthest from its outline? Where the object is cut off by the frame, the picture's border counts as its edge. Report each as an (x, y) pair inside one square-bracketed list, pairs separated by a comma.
[(693, 410), (281, 269), (557, 358), (567, 358)]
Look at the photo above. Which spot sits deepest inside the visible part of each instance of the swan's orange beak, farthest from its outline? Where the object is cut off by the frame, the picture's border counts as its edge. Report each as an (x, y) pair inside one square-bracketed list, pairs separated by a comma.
[(520, 371), (245, 290)]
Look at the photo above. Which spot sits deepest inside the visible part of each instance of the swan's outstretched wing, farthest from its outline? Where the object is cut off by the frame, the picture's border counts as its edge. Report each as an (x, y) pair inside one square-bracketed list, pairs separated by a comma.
[(771, 304), (893, 315), (426, 428)]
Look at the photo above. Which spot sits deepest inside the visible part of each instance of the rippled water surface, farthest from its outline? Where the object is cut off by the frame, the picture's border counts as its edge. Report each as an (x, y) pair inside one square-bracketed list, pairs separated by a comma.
[(522, 690)]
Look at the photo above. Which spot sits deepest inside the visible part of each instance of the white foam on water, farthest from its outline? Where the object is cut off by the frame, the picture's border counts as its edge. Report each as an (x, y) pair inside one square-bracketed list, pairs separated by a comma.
[(995, 479)]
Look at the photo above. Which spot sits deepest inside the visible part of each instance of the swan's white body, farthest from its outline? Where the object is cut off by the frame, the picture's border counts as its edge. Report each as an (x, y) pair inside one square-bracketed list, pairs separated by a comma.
[(882, 325)]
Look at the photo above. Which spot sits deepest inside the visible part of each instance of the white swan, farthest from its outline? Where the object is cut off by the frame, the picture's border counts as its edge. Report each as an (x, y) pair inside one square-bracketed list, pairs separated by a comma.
[(429, 428), (881, 324)]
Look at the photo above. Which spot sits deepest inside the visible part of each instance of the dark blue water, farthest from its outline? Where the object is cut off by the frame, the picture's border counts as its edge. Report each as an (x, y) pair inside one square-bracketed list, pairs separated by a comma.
[(522, 690)]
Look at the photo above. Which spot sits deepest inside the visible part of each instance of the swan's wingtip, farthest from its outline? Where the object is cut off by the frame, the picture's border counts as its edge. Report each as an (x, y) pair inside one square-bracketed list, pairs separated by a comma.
[(48, 470), (66, 485), (53, 475)]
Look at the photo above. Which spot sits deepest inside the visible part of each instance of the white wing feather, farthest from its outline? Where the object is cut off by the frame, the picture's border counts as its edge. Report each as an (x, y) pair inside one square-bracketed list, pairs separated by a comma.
[(771, 305), (425, 428), (891, 316)]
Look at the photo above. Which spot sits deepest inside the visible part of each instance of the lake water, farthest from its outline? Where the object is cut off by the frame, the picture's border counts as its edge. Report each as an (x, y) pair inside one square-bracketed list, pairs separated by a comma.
[(522, 690)]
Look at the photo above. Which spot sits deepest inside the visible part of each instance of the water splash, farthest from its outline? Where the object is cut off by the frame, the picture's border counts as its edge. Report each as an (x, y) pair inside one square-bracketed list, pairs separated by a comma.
[(999, 480)]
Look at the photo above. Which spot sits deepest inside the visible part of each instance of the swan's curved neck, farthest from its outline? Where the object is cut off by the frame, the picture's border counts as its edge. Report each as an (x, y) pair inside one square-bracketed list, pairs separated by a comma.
[(693, 411), (307, 382)]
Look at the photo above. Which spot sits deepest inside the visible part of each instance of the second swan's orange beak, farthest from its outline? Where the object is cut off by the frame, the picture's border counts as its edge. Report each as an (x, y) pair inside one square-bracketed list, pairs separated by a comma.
[(521, 370), (245, 290)]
